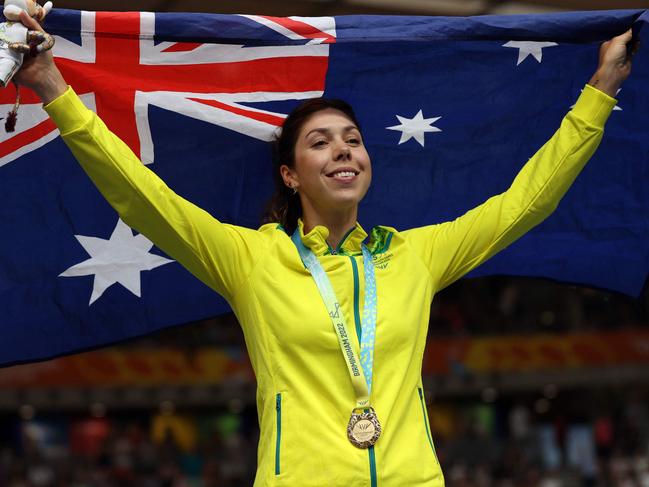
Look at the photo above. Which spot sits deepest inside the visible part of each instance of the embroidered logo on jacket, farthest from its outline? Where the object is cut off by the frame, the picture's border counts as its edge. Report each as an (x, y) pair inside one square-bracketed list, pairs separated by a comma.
[(381, 261)]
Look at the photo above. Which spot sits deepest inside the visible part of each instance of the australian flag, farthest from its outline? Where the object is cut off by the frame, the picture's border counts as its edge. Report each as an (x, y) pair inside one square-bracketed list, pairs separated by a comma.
[(451, 109)]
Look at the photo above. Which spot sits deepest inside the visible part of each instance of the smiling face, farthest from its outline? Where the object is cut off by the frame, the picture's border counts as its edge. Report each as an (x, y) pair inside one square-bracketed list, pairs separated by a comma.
[(332, 170)]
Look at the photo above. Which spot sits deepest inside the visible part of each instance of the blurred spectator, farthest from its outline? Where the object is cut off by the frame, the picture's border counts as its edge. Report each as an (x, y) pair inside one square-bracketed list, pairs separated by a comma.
[(501, 439)]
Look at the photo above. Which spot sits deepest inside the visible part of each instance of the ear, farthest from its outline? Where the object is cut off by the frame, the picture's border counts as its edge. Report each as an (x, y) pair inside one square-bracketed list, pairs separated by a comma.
[(32, 8), (45, 10), (289, 176), (12, 11)]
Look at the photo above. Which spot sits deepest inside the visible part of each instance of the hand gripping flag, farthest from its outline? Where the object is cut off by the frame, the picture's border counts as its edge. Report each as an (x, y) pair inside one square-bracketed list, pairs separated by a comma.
[(451, 109)]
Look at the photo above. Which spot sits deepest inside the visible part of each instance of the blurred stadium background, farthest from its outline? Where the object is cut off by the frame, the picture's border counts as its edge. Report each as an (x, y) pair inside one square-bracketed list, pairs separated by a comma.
[(528, 382)]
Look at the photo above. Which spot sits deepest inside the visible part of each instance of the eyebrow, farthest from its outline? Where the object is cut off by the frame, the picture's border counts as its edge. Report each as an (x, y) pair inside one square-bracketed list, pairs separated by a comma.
[(326, 131)]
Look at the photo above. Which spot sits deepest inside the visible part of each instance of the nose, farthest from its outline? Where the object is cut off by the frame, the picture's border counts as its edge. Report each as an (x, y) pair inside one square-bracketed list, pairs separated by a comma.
[(343, 153)]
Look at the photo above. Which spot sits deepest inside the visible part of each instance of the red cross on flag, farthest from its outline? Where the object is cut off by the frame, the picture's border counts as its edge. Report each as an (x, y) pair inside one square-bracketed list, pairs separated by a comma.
[(119, 70)]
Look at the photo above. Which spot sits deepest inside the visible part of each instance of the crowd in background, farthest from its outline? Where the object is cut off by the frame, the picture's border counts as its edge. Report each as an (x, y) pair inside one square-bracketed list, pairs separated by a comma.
[(595, 437), (582, 441), (476, 307), (130, 455), (503, 305)]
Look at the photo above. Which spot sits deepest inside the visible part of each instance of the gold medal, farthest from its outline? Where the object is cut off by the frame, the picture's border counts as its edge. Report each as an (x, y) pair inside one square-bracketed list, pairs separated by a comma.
[(363, 429)]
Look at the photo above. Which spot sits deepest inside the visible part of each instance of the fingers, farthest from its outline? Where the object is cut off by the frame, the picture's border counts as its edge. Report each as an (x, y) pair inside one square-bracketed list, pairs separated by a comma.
[(632, 44), (626, 37), (39, 41), (19, 47)]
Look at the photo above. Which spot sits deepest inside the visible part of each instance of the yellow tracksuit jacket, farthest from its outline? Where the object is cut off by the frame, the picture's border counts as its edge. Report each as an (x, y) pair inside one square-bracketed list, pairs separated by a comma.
[(304, 394)]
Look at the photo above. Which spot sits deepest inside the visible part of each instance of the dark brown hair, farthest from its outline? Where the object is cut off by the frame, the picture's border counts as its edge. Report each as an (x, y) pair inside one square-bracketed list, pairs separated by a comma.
[(284, 206)]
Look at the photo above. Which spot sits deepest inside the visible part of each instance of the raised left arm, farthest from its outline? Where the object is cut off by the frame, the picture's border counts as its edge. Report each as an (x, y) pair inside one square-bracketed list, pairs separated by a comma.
[(450, 250)]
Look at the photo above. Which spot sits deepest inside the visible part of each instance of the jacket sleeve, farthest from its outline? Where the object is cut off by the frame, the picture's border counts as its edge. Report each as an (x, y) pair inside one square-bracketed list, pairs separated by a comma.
[(452, 249), (218, 254)]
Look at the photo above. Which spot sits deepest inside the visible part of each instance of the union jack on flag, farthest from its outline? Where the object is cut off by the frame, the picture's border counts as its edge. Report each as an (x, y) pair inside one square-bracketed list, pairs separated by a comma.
[(203, 80), (451, 108)]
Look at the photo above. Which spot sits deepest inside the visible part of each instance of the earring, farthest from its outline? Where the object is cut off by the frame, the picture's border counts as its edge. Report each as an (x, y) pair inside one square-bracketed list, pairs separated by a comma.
[(294, 190)]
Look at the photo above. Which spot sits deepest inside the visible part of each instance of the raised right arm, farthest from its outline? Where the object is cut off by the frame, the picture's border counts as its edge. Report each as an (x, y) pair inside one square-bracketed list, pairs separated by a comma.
[(220, 255)]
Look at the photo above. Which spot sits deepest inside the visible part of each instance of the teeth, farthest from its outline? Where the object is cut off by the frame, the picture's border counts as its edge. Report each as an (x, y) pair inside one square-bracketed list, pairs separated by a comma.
[(345, 174)]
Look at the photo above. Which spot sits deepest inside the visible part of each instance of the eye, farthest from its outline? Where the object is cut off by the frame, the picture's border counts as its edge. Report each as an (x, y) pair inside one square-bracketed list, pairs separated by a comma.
[(319, 143), (354, 141)]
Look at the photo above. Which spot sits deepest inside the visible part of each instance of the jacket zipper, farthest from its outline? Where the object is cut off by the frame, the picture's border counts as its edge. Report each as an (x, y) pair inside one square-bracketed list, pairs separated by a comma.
[(423, 411), (278, 407), (357, 322)]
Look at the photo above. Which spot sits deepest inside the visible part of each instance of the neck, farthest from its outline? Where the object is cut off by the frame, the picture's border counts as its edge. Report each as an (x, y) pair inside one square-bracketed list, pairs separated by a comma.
[(337, 222)]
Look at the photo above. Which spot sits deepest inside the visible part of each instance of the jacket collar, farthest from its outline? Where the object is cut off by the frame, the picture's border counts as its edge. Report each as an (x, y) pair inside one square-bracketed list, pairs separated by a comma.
[(316, 240)]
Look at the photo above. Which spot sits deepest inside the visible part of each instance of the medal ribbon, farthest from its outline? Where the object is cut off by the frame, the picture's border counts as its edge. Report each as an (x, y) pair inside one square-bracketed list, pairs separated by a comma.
[(361, 377)]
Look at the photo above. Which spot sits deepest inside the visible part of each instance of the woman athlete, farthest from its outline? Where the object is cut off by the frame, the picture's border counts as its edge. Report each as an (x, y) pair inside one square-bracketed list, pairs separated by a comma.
[(336, 341)]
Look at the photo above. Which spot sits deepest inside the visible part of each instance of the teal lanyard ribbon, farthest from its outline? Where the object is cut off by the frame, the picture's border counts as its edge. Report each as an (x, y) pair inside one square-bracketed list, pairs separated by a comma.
[(361, 378)]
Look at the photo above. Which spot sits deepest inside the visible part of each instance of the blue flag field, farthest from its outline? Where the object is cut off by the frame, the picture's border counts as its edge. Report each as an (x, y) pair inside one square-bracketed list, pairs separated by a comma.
[(451, 109)]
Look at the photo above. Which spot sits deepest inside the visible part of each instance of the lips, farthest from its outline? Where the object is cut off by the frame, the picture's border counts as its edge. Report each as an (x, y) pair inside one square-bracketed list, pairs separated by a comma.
[(343, 172)]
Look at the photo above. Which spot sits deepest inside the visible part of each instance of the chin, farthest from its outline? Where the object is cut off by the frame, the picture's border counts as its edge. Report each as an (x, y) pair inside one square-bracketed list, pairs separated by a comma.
[(346, 201)]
